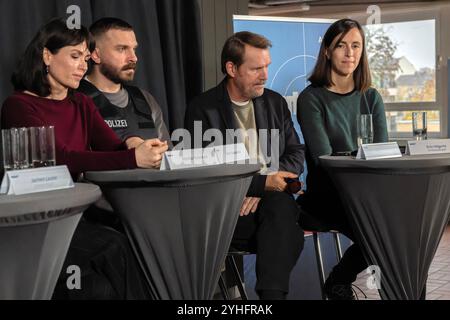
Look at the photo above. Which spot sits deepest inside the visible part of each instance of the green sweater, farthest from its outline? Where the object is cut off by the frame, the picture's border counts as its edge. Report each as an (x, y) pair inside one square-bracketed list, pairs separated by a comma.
[(329, 120)]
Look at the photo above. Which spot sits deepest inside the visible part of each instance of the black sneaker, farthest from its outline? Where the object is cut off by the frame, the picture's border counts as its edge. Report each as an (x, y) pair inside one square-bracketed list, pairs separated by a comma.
[(338, 291)]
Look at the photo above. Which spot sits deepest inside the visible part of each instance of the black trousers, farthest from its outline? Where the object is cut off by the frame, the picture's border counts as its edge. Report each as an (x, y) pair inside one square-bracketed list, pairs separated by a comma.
[(273, 233), (329, 210), (109, 269)]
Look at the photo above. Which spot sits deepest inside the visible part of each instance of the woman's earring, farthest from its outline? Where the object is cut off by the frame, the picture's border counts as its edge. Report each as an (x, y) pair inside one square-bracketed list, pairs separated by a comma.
[(46, 69)]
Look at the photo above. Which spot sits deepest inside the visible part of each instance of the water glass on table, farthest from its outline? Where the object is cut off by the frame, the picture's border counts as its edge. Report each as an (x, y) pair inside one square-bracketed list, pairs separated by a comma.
[(42, 146), (419, 124), (15, 145), (365, 129)]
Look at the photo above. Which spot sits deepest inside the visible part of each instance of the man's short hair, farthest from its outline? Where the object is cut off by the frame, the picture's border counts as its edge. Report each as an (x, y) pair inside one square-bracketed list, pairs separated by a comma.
[(103, 25), (234, 48), (100, 27)]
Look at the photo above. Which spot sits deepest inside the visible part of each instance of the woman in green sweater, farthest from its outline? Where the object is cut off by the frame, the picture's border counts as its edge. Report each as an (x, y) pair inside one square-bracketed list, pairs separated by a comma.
[(327, 111)]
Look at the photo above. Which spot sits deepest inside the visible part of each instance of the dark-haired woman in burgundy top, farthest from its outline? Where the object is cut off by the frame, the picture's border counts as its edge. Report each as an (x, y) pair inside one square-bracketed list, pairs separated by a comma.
[(52, 66), (83, 141)]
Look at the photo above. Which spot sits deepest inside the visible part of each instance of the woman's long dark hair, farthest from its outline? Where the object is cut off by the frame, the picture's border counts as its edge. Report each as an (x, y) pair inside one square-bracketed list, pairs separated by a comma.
[(31, 71), (321, 75)]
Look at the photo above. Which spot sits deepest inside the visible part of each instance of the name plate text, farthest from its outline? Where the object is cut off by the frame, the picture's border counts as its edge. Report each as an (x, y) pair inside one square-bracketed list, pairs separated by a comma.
[(433, 146), (379, 151), (18, 182)]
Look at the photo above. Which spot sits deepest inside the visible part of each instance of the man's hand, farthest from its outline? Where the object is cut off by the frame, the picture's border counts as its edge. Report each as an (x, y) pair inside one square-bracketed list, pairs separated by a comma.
[(149, 153), (276, 182), (250, 204), (133, 142)]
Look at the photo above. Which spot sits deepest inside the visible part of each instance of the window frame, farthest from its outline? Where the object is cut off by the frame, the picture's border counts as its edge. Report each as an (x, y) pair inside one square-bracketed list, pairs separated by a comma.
[(440, 104)]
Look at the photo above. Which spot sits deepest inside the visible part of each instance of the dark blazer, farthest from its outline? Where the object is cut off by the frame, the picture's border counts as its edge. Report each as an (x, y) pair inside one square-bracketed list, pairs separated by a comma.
[(214, 109)]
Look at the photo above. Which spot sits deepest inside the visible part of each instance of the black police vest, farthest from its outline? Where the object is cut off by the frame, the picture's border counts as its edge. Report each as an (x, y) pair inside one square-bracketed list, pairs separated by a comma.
[(133, 120)]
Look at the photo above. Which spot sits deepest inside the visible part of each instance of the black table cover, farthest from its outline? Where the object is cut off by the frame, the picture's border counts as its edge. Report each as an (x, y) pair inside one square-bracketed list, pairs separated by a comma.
[(35, 233), (400, 208), (180, 222)]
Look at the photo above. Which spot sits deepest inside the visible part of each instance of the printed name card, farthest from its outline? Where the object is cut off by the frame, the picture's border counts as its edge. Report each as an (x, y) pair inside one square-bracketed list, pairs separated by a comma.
[(379, 151), (433, 146), (18, 182), (191, 158)]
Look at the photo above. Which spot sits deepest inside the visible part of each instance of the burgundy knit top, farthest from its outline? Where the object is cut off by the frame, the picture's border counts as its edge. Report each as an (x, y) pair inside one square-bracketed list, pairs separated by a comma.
[(83, 140)]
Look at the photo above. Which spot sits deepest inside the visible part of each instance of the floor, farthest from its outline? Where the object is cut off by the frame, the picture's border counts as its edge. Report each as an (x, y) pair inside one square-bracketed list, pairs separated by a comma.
[(438, 285), (304, 284)]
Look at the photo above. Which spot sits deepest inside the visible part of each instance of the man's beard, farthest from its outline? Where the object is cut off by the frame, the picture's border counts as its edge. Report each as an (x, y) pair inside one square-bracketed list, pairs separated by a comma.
[(115, 75), (249, 92)]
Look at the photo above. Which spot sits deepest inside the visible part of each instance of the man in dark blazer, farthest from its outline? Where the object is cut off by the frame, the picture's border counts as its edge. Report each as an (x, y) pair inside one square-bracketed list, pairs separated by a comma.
[(268, 218)]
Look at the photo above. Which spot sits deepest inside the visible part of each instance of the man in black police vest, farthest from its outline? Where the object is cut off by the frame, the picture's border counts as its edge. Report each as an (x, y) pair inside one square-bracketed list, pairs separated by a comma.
[(131, 112)]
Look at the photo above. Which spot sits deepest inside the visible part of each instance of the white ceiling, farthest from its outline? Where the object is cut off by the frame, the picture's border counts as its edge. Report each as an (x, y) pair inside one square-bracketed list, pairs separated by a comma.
[(268, 3), (312, 7)]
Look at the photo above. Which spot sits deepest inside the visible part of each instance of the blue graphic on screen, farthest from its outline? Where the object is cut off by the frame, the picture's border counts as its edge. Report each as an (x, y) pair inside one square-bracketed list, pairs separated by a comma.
[(295, 45)]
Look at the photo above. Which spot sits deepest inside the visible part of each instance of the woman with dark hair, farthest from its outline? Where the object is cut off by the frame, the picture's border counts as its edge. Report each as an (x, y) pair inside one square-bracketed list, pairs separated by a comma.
[(51, 68), (47, 74), (327, 111)]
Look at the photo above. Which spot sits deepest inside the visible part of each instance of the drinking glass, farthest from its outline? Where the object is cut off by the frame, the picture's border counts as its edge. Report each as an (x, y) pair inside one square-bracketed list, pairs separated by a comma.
[(365, 129), (15, 146), (419, 124), (42, 146)]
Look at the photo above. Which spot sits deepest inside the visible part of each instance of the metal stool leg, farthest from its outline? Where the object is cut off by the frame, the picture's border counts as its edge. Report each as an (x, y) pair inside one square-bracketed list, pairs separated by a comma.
[(338, 246), (319, 259), (237, 277), (223, 288)]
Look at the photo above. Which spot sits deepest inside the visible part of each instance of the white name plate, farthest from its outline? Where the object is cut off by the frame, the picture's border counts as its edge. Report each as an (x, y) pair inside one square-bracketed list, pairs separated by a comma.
[(433, 146), (191, 158), (18, 182), (379, 151)]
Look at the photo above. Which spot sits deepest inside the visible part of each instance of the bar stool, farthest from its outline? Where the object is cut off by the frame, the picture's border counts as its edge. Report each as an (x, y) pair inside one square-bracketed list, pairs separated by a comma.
[(313, 227), (230, 264)]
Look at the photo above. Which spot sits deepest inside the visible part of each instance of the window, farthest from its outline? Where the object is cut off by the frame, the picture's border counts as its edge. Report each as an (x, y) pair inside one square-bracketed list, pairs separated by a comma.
[(402, 58), (400, 122)]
